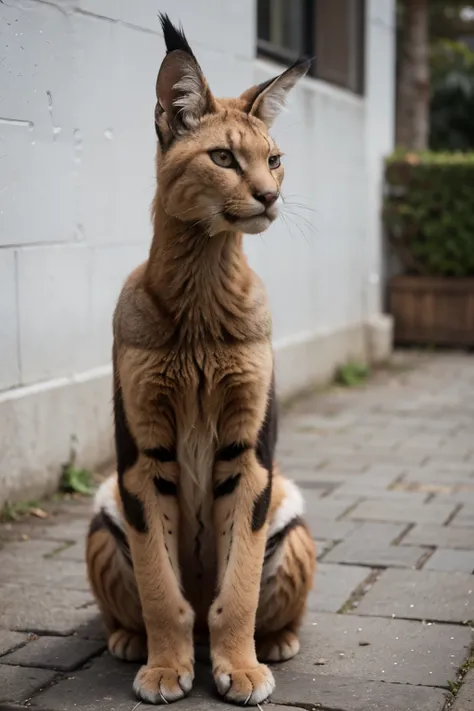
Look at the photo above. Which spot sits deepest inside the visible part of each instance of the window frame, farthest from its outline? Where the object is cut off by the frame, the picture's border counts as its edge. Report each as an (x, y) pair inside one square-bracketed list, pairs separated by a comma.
[(356, 72)]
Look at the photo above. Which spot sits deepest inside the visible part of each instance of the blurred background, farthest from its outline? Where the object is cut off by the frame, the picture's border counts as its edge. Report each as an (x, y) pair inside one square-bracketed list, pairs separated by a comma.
[(77, 149)]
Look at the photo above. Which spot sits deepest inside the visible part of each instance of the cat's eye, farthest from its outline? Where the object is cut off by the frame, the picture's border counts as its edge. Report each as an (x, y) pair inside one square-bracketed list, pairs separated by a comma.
[(223, 158), (274, 162)]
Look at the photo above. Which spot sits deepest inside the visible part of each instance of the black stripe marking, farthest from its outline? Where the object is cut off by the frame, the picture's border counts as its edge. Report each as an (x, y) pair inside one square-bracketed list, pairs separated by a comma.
[(231, 451), (275, 541), (267, 437), (165, 486), (197, 544), (102, 521), (127, 455), (161, 454), (265, 451), (134, 510), (96, 524), (227, 486), (261, 506)]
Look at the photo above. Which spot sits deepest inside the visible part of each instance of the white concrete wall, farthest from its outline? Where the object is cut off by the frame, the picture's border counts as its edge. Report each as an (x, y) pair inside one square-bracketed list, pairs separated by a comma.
[(380, 134), (77, 148)]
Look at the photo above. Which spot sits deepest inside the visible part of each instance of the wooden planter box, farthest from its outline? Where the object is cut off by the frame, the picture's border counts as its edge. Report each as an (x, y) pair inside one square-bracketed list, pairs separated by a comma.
[(432, 310)]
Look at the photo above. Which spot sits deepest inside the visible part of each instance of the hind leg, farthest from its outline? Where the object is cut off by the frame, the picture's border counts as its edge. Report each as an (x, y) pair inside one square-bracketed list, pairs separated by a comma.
[(286, 581), (113, 583)]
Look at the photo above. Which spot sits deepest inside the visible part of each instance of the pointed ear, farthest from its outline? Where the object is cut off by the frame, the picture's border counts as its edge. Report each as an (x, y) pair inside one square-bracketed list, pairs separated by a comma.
[(266, 101), (182, 91)]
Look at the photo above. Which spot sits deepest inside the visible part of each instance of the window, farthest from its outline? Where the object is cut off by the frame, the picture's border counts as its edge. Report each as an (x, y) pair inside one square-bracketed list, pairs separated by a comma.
[(329, 31)]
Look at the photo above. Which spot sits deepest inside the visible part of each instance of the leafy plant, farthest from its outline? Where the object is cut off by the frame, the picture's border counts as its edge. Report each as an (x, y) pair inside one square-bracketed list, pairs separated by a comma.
[(454, 686), (352, 374), (78, 481), (428, 212), (14, 511)]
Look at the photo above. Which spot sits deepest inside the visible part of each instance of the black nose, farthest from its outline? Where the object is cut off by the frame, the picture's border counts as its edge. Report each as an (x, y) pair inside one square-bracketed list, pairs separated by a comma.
[(268, 198)]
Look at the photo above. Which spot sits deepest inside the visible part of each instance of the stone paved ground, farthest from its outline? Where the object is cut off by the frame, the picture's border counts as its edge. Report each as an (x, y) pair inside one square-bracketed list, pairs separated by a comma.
[(388, 477)]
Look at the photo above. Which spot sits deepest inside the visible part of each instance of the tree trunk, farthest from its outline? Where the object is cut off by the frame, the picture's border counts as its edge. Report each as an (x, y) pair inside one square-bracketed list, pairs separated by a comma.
[(413, 79)]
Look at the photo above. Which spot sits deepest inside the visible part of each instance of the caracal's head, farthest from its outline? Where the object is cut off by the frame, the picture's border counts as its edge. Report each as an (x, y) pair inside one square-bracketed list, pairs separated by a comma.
[(217, 164)]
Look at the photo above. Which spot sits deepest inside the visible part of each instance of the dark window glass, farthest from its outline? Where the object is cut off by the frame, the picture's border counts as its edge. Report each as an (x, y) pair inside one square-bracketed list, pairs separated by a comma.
[(263, 20), (329, 31)]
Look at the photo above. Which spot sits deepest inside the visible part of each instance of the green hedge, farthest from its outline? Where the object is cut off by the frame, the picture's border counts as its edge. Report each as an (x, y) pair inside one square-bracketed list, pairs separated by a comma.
[(429, 212)]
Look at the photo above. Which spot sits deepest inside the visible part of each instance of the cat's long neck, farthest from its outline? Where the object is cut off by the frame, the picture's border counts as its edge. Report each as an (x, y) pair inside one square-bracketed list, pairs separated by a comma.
[(204, 282)]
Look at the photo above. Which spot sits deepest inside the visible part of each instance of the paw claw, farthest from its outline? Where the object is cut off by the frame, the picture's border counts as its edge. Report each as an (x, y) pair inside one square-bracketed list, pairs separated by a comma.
[(162, 685), (246, 686)]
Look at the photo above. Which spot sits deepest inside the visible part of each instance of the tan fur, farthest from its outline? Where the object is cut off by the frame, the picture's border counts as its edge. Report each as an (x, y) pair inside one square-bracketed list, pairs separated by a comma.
[(193, 371), (282, 597)]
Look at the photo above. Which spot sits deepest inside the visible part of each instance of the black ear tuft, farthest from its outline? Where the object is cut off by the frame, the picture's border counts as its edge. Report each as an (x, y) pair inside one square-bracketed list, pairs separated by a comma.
[(174, 36)]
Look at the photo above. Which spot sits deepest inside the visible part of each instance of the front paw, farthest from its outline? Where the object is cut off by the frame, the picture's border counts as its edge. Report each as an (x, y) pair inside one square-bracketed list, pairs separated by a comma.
[(245, 686), (161, 685)]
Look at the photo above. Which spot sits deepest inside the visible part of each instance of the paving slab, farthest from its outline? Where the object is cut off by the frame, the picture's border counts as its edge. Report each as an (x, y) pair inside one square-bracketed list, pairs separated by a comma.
[(371, 453), (31, 550), (35, 550), (327, 507), (391, 650), (44, 609), (109, 682), (460, 495), (291, 443), (313, 423), (309, 478), (345, 465), (353, 552), (437, 475), (371, 545), (76, 552), (365, 490), (334, 585), (18, 684), (336, 693), (386, 472), (454, 468), (57, 528), (46, 573), (373, 481), (322, 547), (448, 457), (301, 464), (424, 441), (374, 532), (465, 517), (451, 561), (465, 698), (93, 627), (387, 510), (421, 595), (61, 653), (10, 641), (442, 536), (327, 529)]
